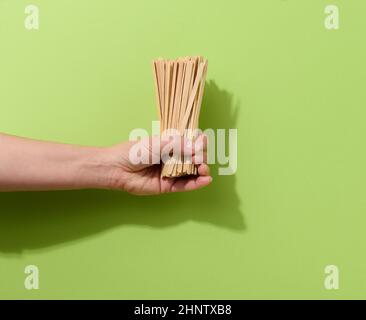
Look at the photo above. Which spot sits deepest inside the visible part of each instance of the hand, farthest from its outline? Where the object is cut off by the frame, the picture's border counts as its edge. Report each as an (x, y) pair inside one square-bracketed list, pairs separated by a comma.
[(27, 164), (145, 179)]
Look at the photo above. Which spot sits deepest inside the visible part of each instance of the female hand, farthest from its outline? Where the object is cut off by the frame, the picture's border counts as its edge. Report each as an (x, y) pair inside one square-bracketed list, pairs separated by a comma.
[(145, 179), (27, 164)]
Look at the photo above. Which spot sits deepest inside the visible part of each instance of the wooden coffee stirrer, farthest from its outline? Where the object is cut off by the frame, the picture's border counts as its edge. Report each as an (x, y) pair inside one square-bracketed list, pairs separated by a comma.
[(179, 86)]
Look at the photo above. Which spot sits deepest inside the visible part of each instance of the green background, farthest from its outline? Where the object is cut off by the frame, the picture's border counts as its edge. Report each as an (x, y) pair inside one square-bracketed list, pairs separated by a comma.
[(296, 93)]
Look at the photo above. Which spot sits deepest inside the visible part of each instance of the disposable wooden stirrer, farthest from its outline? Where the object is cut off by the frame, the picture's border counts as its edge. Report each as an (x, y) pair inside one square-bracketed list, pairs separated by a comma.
[(176, 106), (185, 88), (169, 167), (179, 86), (200, 96), (190, 113), (157, 89), (186, 168)]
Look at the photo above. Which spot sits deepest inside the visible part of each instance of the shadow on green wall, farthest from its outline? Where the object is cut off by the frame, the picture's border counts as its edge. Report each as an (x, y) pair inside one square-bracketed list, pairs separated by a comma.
[(36, 220)]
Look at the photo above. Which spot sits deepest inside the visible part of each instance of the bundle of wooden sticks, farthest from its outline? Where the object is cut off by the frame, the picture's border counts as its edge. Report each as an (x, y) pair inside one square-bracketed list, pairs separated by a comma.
[(179, 86)]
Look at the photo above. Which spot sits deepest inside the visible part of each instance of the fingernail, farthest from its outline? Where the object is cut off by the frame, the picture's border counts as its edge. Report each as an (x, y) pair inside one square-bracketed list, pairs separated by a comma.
[(206, 179)]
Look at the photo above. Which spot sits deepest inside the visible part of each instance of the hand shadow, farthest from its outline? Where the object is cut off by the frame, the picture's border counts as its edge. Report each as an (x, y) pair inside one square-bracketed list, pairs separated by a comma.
[(38, 220)]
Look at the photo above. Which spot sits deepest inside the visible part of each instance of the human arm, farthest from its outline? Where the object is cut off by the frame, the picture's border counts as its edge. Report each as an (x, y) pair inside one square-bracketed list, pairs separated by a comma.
[(27, 165)]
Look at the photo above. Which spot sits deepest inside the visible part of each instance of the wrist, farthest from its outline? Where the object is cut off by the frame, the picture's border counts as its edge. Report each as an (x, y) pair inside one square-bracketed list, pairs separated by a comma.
[(95, 169), (102, 168)]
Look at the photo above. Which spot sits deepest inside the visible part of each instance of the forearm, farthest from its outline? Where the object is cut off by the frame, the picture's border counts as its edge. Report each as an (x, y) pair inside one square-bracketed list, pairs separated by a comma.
[(27, 164)]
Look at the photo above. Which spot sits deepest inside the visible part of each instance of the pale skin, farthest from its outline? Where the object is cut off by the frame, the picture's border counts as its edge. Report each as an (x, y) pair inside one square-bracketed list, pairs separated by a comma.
[(32, 165)]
